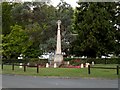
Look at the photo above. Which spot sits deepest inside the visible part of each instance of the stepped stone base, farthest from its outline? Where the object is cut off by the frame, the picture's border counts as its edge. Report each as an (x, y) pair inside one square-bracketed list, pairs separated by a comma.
[(58, 59)]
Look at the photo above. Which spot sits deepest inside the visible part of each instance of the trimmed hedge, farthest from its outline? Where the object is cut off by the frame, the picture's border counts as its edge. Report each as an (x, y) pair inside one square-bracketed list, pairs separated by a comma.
[(73, 61), (28, 60), (14, 61), (97, 61), (41, 62)]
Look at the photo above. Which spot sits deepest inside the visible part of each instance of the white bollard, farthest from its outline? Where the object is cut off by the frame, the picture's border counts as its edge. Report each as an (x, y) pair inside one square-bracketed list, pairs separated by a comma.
[(86, 65), (28, 64), (82, 66), (55, 65), (20, 65), (68, 63), (47, 65), (93, 63)]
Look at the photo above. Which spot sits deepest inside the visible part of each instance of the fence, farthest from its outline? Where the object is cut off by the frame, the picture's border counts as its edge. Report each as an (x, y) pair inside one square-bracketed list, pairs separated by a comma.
[(117, 68), (24, 69), (37, 68)]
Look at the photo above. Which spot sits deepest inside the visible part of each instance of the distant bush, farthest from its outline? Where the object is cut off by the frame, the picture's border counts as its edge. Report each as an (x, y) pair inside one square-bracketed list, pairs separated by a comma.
[(34, 61)]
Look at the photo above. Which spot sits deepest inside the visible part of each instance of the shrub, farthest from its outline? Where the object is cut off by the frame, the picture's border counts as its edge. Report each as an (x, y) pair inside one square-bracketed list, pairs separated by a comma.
[(68, 59), (34, 61), (75, 62)]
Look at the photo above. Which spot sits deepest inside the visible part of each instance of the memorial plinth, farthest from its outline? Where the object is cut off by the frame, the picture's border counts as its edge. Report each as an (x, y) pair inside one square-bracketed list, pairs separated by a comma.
[(58, 58)]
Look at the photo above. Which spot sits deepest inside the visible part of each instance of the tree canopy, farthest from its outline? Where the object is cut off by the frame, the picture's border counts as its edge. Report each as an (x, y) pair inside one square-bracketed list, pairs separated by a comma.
[(30, 28), (94, 23)]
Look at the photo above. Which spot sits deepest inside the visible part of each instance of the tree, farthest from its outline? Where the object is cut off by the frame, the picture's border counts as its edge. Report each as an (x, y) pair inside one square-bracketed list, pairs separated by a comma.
[(22, 14), (15, 43), (37, 19), (38, 22), (6, 17), (45, 16), (117, 27), (51, 45), (93, 22), (28, 13), (34, 32)]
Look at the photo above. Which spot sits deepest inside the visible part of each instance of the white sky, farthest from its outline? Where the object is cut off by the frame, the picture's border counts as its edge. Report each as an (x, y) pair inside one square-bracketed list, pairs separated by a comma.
[(71, 2), (55, 2)]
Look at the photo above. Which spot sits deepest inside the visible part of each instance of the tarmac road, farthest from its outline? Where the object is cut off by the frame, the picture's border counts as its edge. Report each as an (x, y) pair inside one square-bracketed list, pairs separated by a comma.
[(17, 81)]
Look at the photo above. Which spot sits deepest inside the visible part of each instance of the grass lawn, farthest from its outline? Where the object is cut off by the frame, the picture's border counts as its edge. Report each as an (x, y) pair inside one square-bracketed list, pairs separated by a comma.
[(65, 72)]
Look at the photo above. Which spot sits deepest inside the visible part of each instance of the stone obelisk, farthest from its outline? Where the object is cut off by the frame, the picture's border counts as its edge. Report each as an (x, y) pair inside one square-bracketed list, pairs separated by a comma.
[(58, 55)]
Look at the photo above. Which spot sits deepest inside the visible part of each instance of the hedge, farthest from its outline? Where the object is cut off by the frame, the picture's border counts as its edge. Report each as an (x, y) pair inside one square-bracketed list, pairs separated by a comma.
[(14, 61), (27, 60), (96, 61), (34, 61), (73, 61)]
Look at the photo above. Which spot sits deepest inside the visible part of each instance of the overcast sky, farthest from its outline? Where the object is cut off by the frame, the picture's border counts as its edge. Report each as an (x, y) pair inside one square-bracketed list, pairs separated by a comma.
[(71, 2), (55, 2)]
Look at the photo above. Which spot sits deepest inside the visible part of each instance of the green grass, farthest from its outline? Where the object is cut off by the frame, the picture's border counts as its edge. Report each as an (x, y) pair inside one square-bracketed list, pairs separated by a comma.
[(65, 72), (105, 65)]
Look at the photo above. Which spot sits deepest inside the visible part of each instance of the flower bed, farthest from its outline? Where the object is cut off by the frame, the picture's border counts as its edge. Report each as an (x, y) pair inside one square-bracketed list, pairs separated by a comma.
[(75, 62), (73, 66)]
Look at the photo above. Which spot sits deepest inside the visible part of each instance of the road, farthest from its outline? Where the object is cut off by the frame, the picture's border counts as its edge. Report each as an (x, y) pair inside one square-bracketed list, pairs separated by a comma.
[(17, 81)]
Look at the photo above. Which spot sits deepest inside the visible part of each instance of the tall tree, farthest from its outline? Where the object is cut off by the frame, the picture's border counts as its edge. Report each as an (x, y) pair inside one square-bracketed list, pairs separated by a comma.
[(6, 17), (38, 21), (22, 14), (117, 26), (34, 32), (93, 22)]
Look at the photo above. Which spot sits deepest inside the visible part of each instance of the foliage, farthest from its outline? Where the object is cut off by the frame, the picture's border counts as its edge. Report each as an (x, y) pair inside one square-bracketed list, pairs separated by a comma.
[(6, 17), (21, 14), (117, 26), (51, 44), (34, 33), (15, 43), (34, 61), (94, 24), (38, 21)]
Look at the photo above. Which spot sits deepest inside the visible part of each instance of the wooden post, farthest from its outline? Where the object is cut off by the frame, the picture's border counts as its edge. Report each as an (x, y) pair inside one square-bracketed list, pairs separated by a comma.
[(105, 61), (13, 66), (37, 68), (2, 66), (117, 70), (24, 67), (88, 69)]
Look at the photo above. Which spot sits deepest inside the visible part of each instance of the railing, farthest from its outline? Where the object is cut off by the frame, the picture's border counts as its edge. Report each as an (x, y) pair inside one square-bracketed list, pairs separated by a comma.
[(37, 68), (117, 68), (25, 69)]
